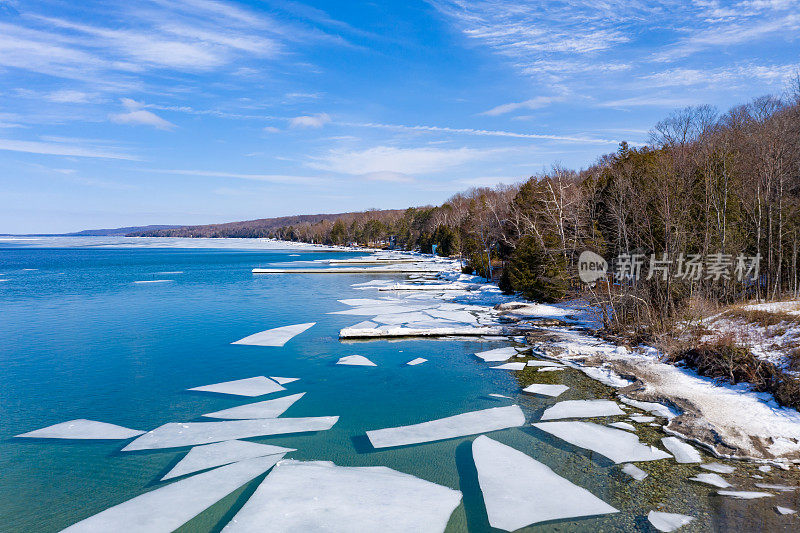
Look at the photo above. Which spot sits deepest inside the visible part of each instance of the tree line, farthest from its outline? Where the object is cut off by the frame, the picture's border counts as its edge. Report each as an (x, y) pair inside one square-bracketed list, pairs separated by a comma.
[(707, 185)]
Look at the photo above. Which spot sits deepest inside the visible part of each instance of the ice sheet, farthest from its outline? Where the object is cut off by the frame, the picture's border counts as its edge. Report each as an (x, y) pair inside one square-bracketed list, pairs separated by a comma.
[(355, 360), (167, 508), (417, 361), (265, 409), (255, 386), (618, 445), (177, 434), (222, 453), (712, 479), (682, 451), (546, 389), (519, 491), (668, 521), (498, 354), (276, 336), (320, 496), (634, 471), (582, 409), (510, 366), (82, 429), (470, 423)]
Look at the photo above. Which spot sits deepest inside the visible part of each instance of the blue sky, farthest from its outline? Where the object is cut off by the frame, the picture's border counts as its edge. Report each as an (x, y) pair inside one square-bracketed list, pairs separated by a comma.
[(200, 111)]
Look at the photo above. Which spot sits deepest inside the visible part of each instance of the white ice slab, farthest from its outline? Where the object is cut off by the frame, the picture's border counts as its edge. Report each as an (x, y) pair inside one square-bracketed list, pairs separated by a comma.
[(519, 491), (634, 471), (417, 361), (498, 354), (176, 434), (265, 409), (779, 488), (83, 429), (784, 510), (320, 496), (282, 381), (510, 366), (546, 389), (495, 395), (668, 521), (642, 419), (550, 369), (355, 360), (719, 468), (618, 445), (765, 468), (605, 376), (623, 425), (682, 451), (744, 495), (539, 362), (651, 407), (222, 453), (451, 427), (255, 386), (276, 336), (712, 479), (582, 409), (167, 508)]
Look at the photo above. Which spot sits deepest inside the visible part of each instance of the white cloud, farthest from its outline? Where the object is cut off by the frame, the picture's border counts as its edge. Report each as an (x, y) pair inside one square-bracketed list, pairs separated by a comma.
[(532, 103), (67, 96), (47, 148), (392, 177), (310, 121), (138, 116), (381, 160), (272, 178), (271, 129)]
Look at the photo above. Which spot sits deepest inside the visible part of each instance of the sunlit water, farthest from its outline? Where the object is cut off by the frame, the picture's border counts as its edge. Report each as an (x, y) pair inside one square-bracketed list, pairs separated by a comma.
[(80, 339)]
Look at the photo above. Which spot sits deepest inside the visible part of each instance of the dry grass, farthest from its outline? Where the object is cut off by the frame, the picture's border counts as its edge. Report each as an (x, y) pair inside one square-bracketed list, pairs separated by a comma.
[(764, 318)]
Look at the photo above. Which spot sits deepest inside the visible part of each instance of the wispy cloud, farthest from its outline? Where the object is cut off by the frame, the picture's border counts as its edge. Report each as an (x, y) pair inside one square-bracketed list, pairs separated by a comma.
[(62, 149), (271, 178), (310, 121), (138, 116), (391, 161), (536, 102)]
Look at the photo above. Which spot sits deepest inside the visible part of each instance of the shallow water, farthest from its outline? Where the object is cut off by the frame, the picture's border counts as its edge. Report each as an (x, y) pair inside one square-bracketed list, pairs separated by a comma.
[(80, 339)]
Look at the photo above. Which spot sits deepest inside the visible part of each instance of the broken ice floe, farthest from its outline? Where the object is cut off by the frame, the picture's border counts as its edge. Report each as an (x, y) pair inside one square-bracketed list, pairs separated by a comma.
[(470, 423), (355, 360), (784, 510), (550, 369), (618, 445), (519, 490), (605, 376), (495, 395), (582, 409), (282, 381), (779, 488), (510, 366), (320, 496), (546, 389), (765, 468), (255, 386), (681, 451), (743, 494), (167, 508), (642, 419), (623, 425), (82, 429), (667, 522), (274, 337), (651, 407), (177, 434), (222, 453), (719, 468), (498, 354), (711, 479), (265, 409), (538, 362), (417, 361), (634, 471)]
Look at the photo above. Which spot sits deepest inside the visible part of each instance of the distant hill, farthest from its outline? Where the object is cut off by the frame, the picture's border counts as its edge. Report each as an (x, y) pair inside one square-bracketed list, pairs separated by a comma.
[(262, 227), (111, 232)]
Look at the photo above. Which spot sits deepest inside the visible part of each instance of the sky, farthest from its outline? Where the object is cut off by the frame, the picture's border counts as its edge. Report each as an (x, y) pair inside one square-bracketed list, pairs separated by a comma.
[(119, 113)]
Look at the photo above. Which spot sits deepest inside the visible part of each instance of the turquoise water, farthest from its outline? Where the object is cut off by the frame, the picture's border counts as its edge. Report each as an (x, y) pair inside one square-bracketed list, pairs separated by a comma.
[(79, 339)]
